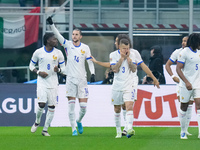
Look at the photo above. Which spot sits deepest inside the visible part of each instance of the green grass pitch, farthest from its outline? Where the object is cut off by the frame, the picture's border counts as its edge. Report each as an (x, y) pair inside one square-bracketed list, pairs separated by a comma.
[(97, 138)]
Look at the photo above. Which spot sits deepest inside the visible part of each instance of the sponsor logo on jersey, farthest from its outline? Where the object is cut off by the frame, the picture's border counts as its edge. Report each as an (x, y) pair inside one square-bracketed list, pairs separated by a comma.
[(54, 57)]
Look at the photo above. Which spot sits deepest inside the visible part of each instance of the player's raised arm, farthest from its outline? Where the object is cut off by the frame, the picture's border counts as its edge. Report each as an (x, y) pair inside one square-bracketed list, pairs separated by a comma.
[(149, 73), (60, 38)]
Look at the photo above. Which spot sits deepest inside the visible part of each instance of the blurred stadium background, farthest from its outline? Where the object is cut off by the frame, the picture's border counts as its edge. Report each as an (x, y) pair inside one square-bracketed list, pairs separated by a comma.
[(152, 22), (148, 23)]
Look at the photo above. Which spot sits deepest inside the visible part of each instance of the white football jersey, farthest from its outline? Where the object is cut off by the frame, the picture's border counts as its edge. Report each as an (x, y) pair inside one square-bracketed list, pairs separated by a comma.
[(191, 61), (138, 61), (174, 55), (123, 80), (76, 56), (47, 61)]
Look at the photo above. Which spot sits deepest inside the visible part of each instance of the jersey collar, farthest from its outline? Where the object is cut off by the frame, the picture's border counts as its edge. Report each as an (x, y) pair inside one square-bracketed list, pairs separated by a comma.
[(48, 51), (78, 45)]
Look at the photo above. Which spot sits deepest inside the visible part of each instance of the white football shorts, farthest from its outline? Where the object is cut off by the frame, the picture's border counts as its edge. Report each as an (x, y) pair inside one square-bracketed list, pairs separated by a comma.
[(47, 95), (76, 87), (186, 95), (119, 97), (178, 92)]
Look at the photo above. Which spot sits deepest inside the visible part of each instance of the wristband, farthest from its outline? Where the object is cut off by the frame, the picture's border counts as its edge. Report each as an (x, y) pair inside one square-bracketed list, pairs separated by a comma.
[(172, 76), (38, 72)]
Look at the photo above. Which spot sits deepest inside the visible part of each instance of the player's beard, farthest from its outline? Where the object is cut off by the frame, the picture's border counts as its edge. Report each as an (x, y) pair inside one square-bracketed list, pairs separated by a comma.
[(75, 41)]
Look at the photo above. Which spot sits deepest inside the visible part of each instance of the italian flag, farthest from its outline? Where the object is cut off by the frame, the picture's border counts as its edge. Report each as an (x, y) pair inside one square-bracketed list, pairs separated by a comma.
[(19, 32)]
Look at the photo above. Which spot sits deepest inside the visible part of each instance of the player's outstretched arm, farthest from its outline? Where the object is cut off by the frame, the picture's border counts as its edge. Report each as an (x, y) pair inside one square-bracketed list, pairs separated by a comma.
[(169, 70), (60, 38), (104, 64), (149, 73)]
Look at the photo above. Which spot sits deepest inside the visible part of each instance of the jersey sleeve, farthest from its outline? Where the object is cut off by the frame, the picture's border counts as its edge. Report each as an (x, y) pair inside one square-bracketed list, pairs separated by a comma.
[(34, 58), (65, 43), (88, 53), (61, 58), (174, 56), (61, 62), (182, 57), (138, 58), (33, 61), (113, 60)]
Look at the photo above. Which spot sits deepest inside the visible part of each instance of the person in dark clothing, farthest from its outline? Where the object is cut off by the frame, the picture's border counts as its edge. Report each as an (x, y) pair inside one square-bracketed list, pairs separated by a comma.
[(109, 75), (156, 65)]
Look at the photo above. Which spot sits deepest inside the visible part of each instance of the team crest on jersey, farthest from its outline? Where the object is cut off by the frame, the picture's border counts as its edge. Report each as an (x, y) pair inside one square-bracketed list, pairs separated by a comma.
[(180, 55), (110, 59), (182, 97), (83, 52), (54, 57), (112, 100)]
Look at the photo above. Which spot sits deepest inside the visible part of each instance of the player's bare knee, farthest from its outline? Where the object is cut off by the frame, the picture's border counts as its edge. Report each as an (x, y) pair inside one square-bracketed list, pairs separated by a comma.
[(191, 102), (41, 105), (52, 107), (117, 108), (184, 106)]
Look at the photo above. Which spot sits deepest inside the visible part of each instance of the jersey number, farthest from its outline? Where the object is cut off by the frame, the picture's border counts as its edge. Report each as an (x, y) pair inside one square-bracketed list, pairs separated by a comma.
[(76, 59), (123, 69), (48, 66), (197, 67)]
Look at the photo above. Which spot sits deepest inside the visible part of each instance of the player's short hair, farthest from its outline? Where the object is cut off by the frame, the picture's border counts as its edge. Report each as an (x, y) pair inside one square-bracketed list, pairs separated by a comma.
[(46, 37), (193, 41), (123, 36), (78, 30), (124, 41)]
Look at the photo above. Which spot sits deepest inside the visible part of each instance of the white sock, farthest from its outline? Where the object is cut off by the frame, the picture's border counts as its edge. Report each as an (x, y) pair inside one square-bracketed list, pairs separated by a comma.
[(198, 119), (118, 122), (124, 114), (39, 113), (129, 119), (83, 108), (49, 118), (188, 116), (71, 113), (183, 120)]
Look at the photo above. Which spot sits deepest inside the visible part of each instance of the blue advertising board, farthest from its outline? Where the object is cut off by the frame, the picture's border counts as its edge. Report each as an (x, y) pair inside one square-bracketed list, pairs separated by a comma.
[(18, 104)]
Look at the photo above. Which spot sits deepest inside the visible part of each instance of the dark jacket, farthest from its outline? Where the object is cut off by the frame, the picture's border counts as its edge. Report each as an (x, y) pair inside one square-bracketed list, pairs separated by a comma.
[(156, 66)]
